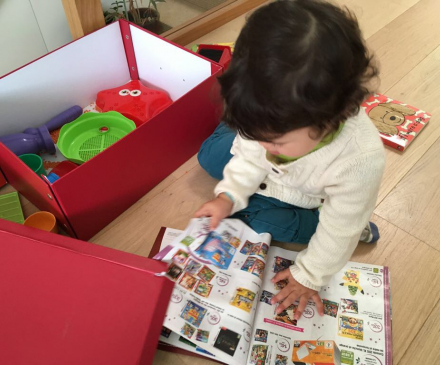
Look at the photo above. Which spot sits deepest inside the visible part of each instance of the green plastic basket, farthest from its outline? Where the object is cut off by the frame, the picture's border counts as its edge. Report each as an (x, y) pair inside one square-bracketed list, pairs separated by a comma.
[(10, 208), (91, 134)]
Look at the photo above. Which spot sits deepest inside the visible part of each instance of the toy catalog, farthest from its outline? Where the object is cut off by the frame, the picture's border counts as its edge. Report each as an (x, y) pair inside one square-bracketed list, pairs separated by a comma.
[(220, 306)]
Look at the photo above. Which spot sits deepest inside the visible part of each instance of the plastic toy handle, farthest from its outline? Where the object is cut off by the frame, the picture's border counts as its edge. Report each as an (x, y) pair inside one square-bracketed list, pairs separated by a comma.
[(66, 116)]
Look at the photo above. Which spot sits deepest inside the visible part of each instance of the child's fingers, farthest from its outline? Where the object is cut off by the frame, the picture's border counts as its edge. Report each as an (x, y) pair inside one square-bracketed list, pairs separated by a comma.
[(282, 295), (285, 274), (319, 306), (202, 212), (301, 306), (214, 222), (286, 302)]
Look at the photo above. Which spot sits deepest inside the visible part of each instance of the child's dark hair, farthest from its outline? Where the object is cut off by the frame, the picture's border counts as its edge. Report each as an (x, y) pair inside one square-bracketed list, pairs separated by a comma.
[(297, 63)]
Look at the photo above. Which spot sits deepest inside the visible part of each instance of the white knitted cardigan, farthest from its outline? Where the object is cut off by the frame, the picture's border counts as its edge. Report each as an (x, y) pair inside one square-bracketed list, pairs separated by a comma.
[(345, 173)]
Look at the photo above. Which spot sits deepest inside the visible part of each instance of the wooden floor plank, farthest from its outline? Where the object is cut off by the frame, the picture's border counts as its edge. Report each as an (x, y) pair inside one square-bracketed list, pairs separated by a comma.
[(414, 204), (420, 88), (166, 358), (427, 342), (406, 41), (415, 282), (373, 15)]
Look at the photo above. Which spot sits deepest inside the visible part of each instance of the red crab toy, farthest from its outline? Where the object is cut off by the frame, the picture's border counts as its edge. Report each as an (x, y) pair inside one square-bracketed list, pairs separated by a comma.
[(134, 101)]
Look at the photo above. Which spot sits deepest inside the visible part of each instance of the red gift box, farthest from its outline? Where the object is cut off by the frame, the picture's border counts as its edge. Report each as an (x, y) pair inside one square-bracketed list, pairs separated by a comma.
[(64, 301)]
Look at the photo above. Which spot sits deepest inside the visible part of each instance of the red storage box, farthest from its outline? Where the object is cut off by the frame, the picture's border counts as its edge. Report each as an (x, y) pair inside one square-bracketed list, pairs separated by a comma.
[(64, 301), (91, 196)]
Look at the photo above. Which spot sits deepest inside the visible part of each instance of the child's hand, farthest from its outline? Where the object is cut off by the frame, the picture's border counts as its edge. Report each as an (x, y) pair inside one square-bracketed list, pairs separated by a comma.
[(217, 209), (295, 291)]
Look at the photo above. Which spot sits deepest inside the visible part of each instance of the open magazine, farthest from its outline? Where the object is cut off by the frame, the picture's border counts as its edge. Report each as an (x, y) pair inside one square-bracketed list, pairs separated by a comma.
[(220, 306)]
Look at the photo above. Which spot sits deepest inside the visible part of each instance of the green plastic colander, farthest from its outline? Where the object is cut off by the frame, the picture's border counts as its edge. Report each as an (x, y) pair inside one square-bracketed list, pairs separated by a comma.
[(91, 134)]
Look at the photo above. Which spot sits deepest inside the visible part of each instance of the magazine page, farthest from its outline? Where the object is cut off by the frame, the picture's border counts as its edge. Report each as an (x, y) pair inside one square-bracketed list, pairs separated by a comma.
[(218, 277), (167, 337), (355, 329)]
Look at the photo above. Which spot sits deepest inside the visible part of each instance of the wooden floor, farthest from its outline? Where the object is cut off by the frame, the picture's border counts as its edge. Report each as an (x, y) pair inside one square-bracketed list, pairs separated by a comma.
[(405, 36)]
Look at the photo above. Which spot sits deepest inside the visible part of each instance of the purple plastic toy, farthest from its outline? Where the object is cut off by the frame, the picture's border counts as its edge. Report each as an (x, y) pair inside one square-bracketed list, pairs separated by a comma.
[(34, 140)]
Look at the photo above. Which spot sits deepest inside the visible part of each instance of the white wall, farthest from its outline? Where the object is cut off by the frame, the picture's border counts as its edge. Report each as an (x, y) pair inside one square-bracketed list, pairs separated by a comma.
[(29, 29), (52, 22)]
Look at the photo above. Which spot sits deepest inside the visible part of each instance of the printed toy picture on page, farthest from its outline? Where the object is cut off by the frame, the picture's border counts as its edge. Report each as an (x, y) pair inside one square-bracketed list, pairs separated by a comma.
[(351, 280), (193, 313), (281, 264), (206, 274), (243, 299), (247, 266), (263, 251), (287, 315), (227, 236), (281, 360), (255, 249), (187, 330), (349, 306), (174, 271), (254, 266), (280, 284), (330, 308), (192, 267), (227, 341), (258, 268), (247, 247), (166, 332), (187, 240), (216, 251), (259, 354), (187, 281), (266, 297), (203, 289), (180, 257), (351, 327), (261, 335), (202, 336)]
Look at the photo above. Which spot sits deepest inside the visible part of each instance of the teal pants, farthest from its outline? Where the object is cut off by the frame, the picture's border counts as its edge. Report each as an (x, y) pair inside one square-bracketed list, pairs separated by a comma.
[(285, 222)]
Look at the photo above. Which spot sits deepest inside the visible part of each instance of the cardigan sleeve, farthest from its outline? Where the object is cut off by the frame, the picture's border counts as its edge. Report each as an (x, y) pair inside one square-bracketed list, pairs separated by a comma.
[(351, 196), (243, 174)]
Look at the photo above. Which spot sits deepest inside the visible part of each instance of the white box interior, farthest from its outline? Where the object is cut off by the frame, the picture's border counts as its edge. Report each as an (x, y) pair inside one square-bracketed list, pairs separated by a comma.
[(74, 74), (163, 65)]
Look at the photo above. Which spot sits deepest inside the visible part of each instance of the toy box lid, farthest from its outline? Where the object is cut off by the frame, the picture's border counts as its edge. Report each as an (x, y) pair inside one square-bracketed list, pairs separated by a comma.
[(65, 301)]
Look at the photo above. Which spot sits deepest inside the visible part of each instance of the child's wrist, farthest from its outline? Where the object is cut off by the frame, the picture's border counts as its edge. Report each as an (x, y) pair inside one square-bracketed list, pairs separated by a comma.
[(226, 197), (229, 196)]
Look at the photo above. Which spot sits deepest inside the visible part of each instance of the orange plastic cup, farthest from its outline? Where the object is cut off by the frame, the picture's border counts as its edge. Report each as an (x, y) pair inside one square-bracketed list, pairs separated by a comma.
[(42, 220)]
